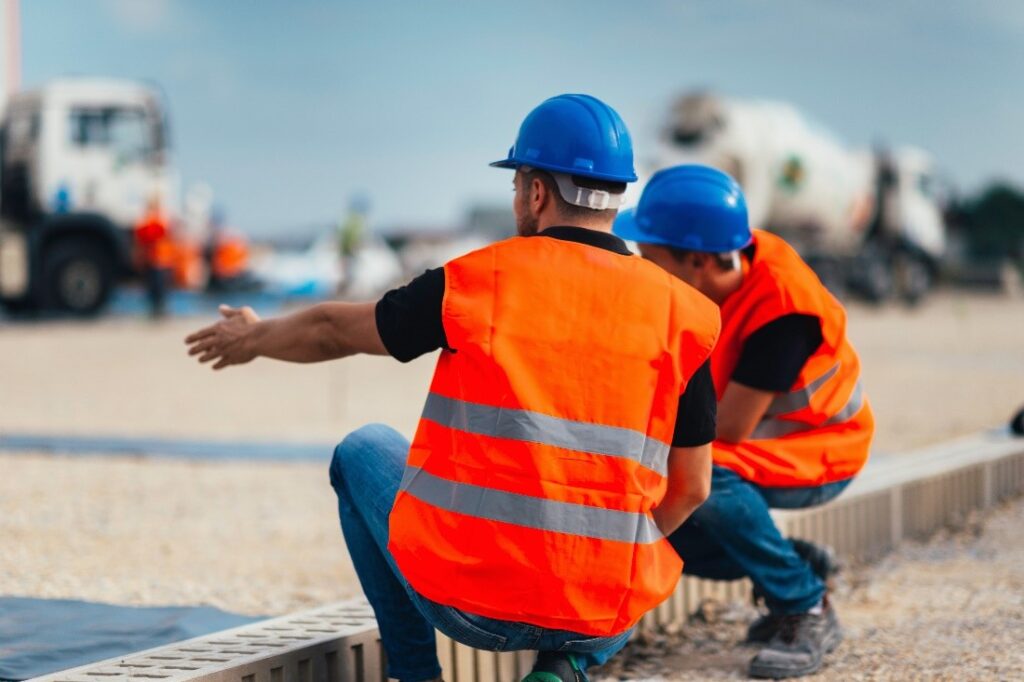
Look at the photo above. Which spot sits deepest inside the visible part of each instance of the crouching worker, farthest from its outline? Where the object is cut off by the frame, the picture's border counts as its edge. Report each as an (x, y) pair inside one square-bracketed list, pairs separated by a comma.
[(567, 430), (794, 427)]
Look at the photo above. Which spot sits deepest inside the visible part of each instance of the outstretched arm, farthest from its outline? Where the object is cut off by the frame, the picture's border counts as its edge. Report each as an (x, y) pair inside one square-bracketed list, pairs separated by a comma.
[(325, 331)]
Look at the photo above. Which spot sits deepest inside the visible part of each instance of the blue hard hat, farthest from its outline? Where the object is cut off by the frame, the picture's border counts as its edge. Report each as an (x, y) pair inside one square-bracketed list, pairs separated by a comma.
[(697, 208), (575, 134)]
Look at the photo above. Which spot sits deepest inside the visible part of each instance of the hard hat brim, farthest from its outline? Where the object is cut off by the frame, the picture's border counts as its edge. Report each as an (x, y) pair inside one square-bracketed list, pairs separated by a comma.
[(513, 164), (505, 163), (627, 227)]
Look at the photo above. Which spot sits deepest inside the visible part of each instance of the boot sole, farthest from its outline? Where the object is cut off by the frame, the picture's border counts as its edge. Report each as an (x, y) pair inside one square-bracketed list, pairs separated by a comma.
[(775, 674), (828, 645)]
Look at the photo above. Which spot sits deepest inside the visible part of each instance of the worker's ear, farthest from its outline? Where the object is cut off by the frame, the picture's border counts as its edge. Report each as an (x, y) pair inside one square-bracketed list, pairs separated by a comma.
[(538, 195)]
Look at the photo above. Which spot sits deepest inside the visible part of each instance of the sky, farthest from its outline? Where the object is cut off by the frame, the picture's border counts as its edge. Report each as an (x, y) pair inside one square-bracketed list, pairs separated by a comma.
[(286, 108)]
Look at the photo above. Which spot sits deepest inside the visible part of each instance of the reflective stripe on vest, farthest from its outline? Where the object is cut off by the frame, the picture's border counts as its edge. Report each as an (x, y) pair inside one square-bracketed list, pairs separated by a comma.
[(527, 511), (534, 427), (773, 427), (800, 398)]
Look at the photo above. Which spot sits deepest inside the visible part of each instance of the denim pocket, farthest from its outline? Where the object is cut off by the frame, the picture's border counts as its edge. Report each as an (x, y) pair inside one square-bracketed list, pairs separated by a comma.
[(460, 627), (581, 646), (589, 645)]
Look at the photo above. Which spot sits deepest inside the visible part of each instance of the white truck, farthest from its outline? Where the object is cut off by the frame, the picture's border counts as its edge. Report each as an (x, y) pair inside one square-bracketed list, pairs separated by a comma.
[(866, 219), (80, 161)]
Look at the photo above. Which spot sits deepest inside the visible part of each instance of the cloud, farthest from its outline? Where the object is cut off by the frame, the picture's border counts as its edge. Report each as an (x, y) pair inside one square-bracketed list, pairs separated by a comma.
[(143, 16)]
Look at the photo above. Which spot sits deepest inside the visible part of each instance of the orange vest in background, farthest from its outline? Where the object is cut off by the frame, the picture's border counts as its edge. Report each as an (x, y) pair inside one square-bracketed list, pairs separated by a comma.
[(543, 444), (820, 431), (155, 245), (230, 257)]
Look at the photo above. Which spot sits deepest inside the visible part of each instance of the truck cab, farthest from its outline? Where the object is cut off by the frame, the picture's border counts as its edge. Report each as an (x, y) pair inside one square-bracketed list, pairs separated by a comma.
[(80, 162)]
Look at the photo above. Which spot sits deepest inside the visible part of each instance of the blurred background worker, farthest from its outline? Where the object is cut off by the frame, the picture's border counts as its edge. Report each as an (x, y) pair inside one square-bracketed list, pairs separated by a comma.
[(794, 427), (351, 232), (530, 512), (155, 252), (226, 255)]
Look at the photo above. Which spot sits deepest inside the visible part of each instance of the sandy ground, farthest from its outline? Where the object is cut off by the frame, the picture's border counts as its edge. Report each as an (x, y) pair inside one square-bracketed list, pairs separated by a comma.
[(263, 538), (951, 609), (953, 366), (130, 377)]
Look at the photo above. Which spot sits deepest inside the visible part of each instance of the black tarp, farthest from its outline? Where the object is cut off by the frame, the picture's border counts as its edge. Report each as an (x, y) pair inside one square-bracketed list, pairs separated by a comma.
[(41, 636)]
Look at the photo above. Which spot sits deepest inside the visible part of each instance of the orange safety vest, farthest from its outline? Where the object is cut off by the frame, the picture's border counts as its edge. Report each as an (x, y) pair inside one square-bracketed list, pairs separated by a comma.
[(820, 431), (155, 245), (230, 257), (544, 441)]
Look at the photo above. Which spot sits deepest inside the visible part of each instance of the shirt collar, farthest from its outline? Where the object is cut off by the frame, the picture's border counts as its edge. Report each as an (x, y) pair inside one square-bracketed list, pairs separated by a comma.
[(581, 235)]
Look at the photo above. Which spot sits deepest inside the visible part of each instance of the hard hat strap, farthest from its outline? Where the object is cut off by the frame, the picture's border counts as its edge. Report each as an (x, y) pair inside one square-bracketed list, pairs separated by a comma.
[(730, 260), (596, 199)]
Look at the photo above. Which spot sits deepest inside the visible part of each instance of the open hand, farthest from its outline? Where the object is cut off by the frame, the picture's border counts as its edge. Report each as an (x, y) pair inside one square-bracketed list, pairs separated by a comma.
[(228, 341)]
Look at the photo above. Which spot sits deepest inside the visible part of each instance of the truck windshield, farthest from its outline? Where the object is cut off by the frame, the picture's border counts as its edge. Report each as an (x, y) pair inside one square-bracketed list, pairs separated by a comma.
[(128, 131)]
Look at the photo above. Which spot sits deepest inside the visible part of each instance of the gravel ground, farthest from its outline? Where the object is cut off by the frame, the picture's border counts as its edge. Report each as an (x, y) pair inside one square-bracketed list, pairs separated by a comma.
[(253, 539), (950, 609)]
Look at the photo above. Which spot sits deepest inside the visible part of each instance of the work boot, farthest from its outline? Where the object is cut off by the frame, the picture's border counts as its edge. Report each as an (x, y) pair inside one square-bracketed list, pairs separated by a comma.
[(552, 666), (800, 644), (824, 565)]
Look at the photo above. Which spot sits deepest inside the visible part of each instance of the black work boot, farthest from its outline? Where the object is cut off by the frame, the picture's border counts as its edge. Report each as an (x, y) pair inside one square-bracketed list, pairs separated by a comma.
[(800, 644), (824, 565), (552, 666)]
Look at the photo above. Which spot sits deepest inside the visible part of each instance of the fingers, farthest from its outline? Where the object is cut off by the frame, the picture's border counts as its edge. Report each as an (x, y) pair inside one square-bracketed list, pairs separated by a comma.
[(200, 335), (227, 360), (214, 343), (211, 355), (207, 348), (245, 313), (202, 346)]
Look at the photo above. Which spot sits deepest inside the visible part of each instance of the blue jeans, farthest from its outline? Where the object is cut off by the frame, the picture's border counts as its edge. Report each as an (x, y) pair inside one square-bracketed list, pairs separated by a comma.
[(365, 473), (732, 535)]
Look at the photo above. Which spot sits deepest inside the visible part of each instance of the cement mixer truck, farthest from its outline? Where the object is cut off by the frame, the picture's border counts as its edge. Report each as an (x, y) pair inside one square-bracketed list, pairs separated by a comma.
[(80, 159), (868, 220)]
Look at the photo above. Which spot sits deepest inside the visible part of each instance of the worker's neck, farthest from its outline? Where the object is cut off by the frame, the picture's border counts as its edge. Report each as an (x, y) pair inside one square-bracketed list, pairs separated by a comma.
[(597, 223)]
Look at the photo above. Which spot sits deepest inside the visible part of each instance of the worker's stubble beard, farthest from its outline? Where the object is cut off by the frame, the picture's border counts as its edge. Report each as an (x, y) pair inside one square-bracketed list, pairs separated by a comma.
[(526, 223)]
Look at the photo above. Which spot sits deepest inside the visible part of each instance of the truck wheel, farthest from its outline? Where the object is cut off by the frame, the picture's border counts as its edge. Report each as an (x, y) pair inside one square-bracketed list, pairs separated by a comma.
[(914, 278), (878, 282), (871, 273), (77, 277)]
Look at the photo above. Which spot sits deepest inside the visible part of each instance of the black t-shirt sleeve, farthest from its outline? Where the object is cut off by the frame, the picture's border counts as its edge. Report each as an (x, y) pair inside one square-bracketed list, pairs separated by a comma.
[(409, 318), (773, 356), (698, 410)]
